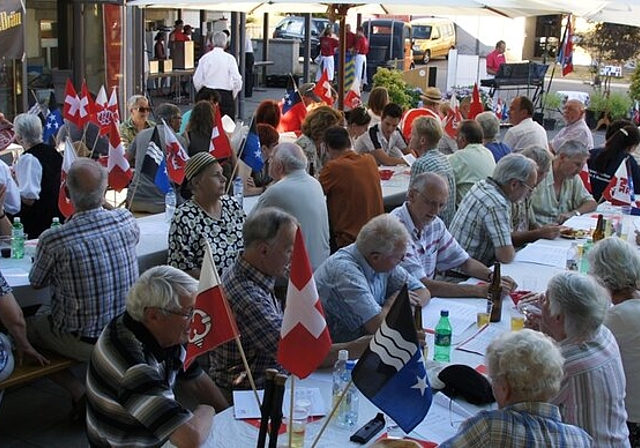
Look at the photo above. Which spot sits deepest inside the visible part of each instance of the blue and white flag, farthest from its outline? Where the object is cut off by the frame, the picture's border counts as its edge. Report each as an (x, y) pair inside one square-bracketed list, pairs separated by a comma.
[(251, 152), (52, 125)]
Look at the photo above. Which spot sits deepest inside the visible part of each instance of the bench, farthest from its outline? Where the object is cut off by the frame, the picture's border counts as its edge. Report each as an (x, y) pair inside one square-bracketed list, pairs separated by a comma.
[(29, 372)]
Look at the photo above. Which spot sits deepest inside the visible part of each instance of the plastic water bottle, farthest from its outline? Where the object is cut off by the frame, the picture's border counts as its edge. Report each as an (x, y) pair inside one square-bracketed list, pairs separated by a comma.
[(17, 239), (584, 261), (573, 258), (238, 190), (55, 223), (338, 371), (442, 340), (170, 202), (348, 412)]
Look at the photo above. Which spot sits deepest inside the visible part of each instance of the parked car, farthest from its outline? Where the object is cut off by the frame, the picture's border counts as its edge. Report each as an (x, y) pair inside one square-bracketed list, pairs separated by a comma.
[(292, 27), (432, 38)]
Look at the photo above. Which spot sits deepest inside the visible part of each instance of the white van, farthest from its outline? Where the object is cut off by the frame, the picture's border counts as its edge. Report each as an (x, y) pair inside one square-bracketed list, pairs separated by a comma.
[(432, 38)]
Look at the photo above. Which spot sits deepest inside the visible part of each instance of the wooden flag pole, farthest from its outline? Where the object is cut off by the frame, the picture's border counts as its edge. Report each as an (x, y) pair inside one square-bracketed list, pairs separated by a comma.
[(331, 414), (290, 423)]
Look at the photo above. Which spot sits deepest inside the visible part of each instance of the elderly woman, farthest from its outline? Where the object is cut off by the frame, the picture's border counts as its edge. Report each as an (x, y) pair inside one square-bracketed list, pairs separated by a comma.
[(257, 182), (526, 369), (592, 392), (208, 216), (490, 132), (139, 110), (316, 122), (616, 264), (38, 176)]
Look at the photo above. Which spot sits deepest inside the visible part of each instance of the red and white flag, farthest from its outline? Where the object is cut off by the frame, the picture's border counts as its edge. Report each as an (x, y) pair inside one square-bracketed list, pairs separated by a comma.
[(584, 176), (120, 173), (323, 88), (453, 118), (213, 322), (72, 106), (476, 107), (305, 339), (219, 145), (618, 191), (176, 155), (113, 107), (410, 116), (68, 158), (103, 114), (87, 108), (352, 98)]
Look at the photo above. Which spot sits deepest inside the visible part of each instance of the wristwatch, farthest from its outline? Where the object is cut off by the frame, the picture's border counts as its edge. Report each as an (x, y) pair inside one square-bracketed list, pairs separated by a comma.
[(577, 213)]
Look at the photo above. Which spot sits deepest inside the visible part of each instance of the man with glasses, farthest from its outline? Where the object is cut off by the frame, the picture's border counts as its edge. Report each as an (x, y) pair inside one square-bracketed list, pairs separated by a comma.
[(137, 362), (359, 283), (482, 224), (431, 247)]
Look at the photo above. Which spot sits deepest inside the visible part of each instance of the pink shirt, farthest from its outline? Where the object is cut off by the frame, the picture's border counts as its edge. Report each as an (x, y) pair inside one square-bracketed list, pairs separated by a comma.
[(494, 60)]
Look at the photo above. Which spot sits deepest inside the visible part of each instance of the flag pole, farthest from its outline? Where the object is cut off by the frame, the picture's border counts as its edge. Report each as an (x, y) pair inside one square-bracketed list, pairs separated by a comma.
[(290, 425), (331, 414), (95, 143), (238, 158)]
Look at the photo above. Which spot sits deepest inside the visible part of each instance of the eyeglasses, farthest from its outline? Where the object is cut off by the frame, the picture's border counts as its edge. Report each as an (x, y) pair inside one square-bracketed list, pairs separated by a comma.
[(529, 187), (186, 316), (144, 109)]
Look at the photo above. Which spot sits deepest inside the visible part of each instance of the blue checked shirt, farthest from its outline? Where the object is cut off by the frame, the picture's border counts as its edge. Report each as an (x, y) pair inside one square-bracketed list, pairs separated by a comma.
[(90, 263)]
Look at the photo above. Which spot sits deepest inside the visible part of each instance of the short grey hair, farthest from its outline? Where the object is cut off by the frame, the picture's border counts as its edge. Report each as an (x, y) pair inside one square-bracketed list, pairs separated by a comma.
[(541, 156), (159, 287), (428, 127), (86, 195), (382, 234), (489, 124), (134, 100), (616, 264), (529, 361), (420, 182), (263, 225), (581, 300), (573, 148), (513, 166), (219, 39), (167, 111), (28, 129), (291, 156)]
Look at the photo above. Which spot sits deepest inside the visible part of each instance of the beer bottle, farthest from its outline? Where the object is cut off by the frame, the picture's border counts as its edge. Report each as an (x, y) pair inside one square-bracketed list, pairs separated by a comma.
[(494, 295), (598, 233)]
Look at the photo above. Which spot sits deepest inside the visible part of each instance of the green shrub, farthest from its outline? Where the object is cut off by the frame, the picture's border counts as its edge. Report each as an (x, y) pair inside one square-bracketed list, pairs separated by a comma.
[(398, 91)]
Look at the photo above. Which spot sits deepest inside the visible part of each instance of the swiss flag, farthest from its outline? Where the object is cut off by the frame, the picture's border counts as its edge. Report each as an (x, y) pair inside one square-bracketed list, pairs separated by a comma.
[(305, 339), (584, 176), (409, 117), (102, 112), (219, 145), (87, 108), (476, 106), (620, 191), (72, 106), (176, 155), (453, 118), (69, 157), (323, 89), (113, 107), (120, 173), (213, 322), (352, 98)]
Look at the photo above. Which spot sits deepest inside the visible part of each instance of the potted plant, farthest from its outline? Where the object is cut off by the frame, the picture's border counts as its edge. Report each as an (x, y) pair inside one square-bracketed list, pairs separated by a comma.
[(552, 102), (619, 106), (598, 105)]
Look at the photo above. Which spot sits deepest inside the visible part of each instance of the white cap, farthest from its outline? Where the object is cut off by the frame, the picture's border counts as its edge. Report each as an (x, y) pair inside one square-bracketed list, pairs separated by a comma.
[(16, 219), (343, 355)]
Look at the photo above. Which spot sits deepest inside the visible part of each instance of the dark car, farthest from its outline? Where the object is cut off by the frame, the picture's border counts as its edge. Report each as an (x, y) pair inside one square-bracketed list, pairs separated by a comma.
[(389, 45), (292, 27)]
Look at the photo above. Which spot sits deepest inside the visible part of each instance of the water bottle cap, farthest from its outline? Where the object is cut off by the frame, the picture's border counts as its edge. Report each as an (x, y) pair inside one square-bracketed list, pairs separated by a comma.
[(343, 355), (16, 219), (444, 313)]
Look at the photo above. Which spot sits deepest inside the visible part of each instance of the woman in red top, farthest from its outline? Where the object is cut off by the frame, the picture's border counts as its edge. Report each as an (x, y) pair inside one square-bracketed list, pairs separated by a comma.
[(328, 45)]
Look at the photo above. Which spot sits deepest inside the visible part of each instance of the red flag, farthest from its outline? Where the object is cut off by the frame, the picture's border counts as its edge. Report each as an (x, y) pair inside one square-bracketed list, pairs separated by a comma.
[(453, 118), (584, 176), (213, 322), (113, 107), (176, 155), (323, 89), (87, 108), (64, 203), (219, 145), (71, 110), (566, 49), (294, 111), (352, 98), (617, 191), (102, 112), (476, 106), (409, 117), (120, 173), (305, 339)]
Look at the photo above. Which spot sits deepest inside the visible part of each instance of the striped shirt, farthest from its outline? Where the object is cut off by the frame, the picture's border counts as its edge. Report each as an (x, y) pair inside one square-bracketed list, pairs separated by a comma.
[(434, 161), (483, 221), (130, 381), (527, 424), (430, 249), (90, 263), (592, 393)]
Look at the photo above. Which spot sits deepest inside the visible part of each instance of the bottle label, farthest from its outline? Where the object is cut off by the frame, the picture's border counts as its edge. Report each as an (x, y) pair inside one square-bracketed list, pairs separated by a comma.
[(442, 339)]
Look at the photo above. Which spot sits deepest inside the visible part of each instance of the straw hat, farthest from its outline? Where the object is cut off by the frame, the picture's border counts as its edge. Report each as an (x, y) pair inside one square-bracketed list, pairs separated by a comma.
[(432, 95), (306, 89), (196, 164)]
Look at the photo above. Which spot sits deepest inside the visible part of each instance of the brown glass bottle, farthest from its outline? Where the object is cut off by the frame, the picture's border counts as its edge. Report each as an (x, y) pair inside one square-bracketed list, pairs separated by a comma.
[(598, 233), (494, 295)]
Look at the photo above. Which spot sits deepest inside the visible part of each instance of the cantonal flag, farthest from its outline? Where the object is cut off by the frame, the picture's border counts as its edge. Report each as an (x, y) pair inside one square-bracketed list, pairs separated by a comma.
[(219, 145), (305, 339), (69, 156), (352, 98), (620, 191), (120, 173), (213, 322), (323, 89), (113, 106), (103, 114), (453, 118), (176, 155)]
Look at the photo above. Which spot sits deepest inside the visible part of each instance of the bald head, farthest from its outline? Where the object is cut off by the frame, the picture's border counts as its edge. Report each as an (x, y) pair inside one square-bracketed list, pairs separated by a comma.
[(86, 184), (573, 111), (427, 183), (428, 195)]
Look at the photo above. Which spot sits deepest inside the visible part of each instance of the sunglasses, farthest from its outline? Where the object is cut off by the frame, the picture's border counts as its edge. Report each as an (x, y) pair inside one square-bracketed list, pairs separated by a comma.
[(144, 109)]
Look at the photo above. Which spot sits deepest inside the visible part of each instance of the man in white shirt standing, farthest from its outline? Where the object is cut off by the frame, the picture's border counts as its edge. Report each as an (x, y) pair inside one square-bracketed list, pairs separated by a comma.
[(219, 71), (525, 132)]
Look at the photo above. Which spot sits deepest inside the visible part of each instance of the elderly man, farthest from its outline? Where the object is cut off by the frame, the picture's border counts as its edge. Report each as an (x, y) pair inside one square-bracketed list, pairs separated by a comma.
[(218, 70), (576, 128), (431, 248), (490, 131), (592, 392), (359, 283), (482, 224), (525, 132), (136, 362), (143, 195), (526, 371), (90, 263), (351, 183), (269, 235), (384, 141), (425, 135), (300, 195), (562, 194), (473, 162)]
